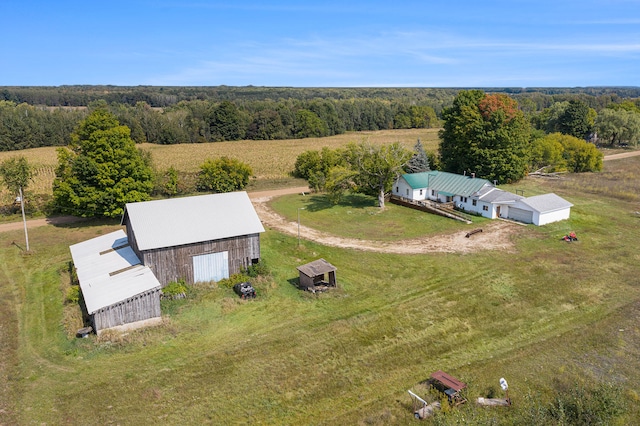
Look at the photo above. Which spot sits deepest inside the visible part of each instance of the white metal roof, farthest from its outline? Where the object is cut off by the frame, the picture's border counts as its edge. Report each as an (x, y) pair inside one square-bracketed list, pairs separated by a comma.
[(498, 196), (179, 221), (546, 203), (109, 271)]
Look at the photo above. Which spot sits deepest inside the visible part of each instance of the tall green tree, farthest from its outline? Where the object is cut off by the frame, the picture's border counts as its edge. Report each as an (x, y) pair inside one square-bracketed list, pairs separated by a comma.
[(101, 170), (309, 125), (618, 126), (16, 173), (228, 122), (377, 167), (577, 120), (487, 135)]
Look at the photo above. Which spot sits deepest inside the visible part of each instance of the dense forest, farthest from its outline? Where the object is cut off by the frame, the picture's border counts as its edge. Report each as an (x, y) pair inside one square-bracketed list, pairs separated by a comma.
[(45, 116)]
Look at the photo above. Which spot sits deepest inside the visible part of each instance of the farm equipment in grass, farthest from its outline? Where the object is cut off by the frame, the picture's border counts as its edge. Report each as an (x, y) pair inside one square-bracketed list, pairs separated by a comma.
[(245, 290), (570, 237)]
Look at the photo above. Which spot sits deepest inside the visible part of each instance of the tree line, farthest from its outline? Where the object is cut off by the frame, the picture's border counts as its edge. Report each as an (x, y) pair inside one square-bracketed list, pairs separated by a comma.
[(25, 126), (164, 96), (248, 113)]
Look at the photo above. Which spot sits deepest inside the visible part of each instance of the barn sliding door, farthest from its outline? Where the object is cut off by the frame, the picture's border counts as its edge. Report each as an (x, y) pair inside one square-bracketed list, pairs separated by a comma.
[(211, 267)]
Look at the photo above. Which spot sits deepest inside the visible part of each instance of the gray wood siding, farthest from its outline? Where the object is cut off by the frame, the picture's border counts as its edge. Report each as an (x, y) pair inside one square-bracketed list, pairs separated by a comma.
[(132, 239), (172, 263), (141, 307)]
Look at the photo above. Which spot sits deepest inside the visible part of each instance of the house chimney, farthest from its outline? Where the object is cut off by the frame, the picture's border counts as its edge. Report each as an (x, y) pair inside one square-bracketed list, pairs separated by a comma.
[(473, 175), (464, 173)]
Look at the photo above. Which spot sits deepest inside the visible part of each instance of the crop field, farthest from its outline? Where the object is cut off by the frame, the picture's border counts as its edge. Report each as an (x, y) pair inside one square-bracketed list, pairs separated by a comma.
[(271, 161), (549, 316)]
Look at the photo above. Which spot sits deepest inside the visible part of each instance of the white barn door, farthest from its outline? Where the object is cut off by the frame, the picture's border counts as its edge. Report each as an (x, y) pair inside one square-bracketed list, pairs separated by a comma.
[(211, 267)]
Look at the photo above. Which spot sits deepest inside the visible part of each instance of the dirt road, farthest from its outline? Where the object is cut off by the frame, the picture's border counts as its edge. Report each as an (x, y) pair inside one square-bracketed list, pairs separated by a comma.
[(621, 155)]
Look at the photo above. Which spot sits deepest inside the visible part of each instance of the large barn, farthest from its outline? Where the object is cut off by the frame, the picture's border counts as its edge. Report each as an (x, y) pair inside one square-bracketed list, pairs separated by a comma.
[(118, 291), (198, 239)]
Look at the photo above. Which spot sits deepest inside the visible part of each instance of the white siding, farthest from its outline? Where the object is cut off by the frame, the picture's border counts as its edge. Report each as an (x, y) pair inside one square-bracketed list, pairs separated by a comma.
[(402, 189), (544, 218)]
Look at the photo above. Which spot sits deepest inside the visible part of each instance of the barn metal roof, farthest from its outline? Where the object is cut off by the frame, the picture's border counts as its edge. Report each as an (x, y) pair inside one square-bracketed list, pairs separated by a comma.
[(317, 267), (445, 182), (546, 203), (179, 221), (109, 271)]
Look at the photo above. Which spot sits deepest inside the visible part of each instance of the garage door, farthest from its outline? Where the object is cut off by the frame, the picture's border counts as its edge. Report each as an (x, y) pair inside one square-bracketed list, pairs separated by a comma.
[(520, 215), (211, 267)]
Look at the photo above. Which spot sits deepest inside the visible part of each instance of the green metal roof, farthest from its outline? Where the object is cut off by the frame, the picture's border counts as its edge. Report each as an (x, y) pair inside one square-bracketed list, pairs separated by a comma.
[(419, 180), (446, 183)]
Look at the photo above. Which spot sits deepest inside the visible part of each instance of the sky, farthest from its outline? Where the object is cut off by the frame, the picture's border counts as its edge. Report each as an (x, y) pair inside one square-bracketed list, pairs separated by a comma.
[(346, 43)]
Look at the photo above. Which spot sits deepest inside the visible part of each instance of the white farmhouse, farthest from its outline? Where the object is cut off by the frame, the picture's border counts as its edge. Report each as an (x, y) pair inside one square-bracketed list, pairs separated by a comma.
[(479, 196)]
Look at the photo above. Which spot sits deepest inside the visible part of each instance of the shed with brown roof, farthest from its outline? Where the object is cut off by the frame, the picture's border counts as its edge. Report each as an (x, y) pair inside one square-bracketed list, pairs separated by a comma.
[(317, 273)]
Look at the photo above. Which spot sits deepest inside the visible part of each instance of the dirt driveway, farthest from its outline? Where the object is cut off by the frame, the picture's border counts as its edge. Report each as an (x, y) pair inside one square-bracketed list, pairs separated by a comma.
[(495, 236)]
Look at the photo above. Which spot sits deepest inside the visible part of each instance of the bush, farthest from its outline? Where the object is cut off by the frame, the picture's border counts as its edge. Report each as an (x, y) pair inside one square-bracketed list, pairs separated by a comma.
[(233, 280), (73, 295), (223, 175), (578, 405), (256, 269), (175, 289)]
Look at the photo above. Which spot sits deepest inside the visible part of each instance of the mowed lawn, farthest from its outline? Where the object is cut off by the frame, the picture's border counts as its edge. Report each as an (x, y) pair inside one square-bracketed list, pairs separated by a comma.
[(546, 316)]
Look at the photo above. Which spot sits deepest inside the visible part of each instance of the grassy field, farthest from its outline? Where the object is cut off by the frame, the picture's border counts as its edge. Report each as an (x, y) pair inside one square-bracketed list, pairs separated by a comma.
[(548, 316), (271, 161)]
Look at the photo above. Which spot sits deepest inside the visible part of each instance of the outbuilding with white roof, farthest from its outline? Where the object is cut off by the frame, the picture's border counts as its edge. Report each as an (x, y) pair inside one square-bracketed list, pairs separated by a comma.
[(540, 209), (198, 239), (118, 291)]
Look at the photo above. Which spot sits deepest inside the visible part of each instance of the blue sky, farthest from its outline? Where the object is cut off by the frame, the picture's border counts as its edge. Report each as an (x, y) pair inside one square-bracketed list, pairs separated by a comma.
[(427, 43)]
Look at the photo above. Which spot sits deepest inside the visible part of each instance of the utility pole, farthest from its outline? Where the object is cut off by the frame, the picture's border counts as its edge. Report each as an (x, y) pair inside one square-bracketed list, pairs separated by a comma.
[(24, 219), (299, 208)]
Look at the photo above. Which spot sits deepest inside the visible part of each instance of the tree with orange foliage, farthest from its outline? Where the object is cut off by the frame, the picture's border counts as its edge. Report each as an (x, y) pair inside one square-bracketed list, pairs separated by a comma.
[(487, 135)]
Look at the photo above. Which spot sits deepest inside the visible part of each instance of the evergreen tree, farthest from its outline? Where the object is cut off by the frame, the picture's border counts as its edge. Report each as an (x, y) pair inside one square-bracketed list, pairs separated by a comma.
[(419, 162)]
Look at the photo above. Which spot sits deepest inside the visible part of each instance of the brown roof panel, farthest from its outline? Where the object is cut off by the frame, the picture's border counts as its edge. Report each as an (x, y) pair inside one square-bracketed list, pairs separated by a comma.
[(317, 267), (448, 380)]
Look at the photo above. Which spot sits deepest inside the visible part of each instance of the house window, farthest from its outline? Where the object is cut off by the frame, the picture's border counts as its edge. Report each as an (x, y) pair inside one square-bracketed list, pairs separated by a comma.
[(485, 208), (474, 202), (421, 192), (433, 192), (407, 192), (397, 190)]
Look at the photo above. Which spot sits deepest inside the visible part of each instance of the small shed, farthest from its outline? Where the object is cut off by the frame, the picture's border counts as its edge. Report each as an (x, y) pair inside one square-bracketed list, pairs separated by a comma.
[(317, 273)]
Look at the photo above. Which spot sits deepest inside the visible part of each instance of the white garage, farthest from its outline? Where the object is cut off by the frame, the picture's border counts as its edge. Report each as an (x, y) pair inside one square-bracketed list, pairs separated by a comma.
[(540, 209)]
